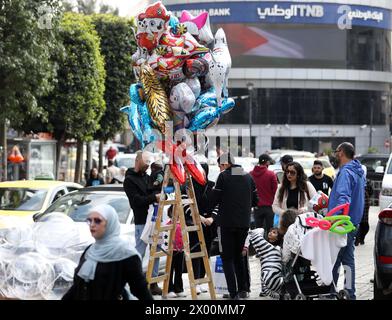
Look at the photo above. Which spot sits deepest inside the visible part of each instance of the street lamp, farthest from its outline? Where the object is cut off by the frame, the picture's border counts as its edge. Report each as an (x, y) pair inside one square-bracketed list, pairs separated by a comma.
[(371, 122), (250, 89)]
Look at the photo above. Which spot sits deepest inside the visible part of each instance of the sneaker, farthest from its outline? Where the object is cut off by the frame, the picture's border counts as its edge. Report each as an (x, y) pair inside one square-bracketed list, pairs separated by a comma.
[(198, 290), (181, 294), (155, 290), (172, 294), (243, 295)]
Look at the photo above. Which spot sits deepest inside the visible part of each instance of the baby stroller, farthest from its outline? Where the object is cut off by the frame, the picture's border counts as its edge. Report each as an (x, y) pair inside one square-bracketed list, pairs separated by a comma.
[(301, 282)]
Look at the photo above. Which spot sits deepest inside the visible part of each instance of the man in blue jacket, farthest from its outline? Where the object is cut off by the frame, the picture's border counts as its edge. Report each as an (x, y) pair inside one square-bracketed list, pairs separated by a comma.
[(349, 188)]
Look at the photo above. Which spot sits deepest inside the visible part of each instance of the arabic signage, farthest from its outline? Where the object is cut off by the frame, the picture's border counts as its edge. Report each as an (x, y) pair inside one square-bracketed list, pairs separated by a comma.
[(288, 12)]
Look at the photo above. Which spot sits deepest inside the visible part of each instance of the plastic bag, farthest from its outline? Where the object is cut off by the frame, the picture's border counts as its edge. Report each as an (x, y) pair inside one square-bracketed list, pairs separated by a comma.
[(218, 275)]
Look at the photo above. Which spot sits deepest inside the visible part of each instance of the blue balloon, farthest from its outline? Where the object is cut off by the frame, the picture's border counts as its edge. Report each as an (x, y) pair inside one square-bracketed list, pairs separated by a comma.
[(144, 132), (209, 115), (173, 23), (206, 99), (134, 121)]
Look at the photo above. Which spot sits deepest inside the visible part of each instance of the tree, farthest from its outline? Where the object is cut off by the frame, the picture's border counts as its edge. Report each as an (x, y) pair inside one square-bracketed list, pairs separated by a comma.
[(86, 6), (28, 33), (117, 46)]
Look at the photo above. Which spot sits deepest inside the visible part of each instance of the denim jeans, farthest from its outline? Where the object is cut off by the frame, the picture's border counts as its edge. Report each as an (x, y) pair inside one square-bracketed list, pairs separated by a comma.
[(141, 247), (347, 259)]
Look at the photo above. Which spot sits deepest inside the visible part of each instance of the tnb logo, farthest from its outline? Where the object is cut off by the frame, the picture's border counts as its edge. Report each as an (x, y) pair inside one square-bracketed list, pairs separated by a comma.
[(345, 22), (45, 17)]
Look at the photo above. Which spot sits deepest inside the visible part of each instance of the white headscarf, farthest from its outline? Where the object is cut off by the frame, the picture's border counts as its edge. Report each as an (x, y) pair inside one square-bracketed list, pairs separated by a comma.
[(109, 248)]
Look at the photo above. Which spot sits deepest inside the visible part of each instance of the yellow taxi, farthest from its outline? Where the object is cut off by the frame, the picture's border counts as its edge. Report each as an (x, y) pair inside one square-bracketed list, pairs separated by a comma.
[(307, 164), (28, 197)]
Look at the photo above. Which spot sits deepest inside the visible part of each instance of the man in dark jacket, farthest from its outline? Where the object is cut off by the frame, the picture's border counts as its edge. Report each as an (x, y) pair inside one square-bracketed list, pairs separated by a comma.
[(136, 187), (349, 188), (235, 193), (266, 183)]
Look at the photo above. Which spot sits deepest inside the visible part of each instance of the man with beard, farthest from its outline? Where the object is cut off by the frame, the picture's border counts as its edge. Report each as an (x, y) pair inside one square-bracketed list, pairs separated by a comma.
[(320, 181), (140, 197), (349, 187)]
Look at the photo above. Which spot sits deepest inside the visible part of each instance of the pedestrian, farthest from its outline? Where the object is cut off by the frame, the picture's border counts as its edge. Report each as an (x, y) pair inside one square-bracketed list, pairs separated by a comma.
[(94, 179), (202, 194), (349, 188), (285, 160), (266, 184), (140, 198), (235, 193), (364, 225), (319, 180), (111, 172), (120, 177), (176, 288), (110, 153), (109, 264), (294, 192)]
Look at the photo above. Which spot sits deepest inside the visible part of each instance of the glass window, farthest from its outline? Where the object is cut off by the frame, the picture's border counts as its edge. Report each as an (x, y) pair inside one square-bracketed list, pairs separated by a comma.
[(309, 106), (78, 205), (58, 195), (22, 199)]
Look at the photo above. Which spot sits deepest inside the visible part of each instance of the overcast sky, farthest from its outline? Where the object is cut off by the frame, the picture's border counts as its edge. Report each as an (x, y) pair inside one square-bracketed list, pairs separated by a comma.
[(127, 7)]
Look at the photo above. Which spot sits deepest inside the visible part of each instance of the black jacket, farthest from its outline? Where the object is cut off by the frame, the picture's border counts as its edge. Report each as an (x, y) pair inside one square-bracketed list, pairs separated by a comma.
[(235, 192), (109, 281), (136, 188)]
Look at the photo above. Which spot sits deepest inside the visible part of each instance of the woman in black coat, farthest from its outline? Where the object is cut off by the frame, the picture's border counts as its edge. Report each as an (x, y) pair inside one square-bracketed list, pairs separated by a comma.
[(109, 264)]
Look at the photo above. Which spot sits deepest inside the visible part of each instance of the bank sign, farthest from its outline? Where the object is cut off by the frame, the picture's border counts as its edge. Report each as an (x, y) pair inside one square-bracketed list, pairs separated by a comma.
[(289, 12)]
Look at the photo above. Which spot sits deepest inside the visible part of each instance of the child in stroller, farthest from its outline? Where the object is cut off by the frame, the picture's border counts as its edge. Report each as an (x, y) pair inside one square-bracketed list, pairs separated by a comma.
[(301, 282)]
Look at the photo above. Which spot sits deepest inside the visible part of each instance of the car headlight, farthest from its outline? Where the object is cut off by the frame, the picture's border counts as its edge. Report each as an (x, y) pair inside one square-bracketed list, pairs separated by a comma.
[(386, 192)]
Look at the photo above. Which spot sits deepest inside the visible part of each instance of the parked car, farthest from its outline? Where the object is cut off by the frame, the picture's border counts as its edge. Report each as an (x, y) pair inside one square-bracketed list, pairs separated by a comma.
[(25, 198), (375, 166), (78, 204), (307, 164), (125, 160), (383, 256), (385, 198), (276, 154)]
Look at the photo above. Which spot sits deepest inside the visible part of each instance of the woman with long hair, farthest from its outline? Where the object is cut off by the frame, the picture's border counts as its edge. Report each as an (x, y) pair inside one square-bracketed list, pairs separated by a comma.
[(294, 192)]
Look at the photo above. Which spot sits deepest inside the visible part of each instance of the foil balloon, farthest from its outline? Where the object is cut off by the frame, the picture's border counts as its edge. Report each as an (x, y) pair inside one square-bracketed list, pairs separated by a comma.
[(173, 24), (194, 85), (175, 163), (195, 169), (206, 99), (197, 67), (182, 98), (134, 121), (198, 26), (220, 65), (208, 116), (157, 102)]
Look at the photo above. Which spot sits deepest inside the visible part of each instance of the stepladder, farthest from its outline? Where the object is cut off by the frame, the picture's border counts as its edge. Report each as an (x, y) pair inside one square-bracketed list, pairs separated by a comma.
[(178, 202)]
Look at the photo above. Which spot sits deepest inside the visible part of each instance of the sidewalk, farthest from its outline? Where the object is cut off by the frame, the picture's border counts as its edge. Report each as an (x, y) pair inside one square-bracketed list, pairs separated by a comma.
[(364, 270)]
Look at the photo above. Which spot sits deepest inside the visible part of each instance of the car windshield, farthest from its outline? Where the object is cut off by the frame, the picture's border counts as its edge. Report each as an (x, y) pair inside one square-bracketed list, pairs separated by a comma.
[(22, 199), (372, 163), (125, 162), (77, 205), (305, 163)]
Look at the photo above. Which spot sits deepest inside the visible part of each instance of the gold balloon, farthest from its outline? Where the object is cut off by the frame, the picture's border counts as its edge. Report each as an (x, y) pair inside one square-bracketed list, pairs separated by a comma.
[(157, 101)]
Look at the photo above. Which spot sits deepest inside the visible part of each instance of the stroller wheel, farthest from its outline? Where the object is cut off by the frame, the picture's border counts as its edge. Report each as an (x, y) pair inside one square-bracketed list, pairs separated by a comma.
[(287, 296), (300, 296), (343, 295)]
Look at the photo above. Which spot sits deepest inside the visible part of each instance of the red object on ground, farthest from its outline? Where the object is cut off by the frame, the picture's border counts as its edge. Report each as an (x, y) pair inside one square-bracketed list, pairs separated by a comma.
[(15, 156)]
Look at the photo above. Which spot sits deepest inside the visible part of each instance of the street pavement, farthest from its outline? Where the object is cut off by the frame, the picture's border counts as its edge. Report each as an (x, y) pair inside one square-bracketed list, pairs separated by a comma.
[(364, 270)]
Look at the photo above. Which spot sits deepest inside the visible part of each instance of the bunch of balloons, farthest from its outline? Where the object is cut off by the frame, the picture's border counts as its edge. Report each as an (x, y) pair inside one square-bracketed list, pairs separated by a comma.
[(340, 224), (179, 78), (38, 261)]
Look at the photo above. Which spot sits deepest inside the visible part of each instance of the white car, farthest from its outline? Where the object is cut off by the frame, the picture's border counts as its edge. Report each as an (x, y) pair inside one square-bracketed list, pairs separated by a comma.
[(386, 187), (77, 205)]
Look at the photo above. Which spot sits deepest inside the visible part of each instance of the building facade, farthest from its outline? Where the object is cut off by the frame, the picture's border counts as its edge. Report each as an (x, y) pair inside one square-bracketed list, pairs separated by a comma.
[(306, 75)]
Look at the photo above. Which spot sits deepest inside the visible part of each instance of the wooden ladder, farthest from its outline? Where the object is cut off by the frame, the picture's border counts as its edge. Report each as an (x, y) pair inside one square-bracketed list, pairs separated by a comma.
[(178, 213)]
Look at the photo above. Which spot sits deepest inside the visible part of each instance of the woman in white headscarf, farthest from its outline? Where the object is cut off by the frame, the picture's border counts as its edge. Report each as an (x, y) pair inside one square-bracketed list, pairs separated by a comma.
[(107, 265)]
